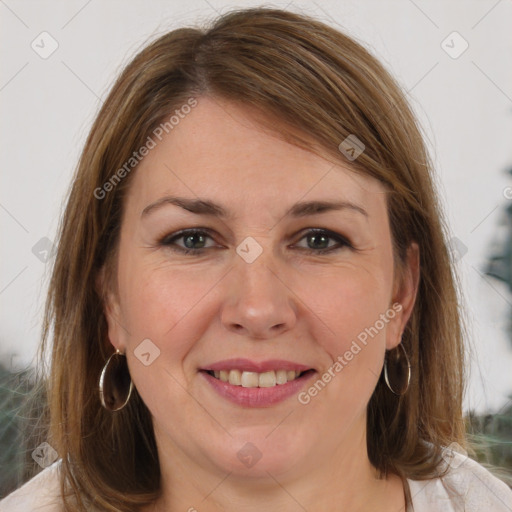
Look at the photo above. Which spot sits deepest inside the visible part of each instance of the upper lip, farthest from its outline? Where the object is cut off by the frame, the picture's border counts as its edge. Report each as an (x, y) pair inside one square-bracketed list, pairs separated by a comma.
[(246, 365)]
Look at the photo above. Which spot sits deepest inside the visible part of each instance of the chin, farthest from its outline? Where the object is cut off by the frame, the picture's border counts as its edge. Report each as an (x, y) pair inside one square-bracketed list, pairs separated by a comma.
[(256, 453)]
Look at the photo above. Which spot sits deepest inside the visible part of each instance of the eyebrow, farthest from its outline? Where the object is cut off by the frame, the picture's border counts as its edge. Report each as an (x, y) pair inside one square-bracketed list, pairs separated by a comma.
[(207, 207)]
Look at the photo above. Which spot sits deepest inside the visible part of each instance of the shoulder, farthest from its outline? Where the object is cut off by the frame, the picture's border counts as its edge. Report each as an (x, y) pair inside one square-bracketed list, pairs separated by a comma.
[(40, 494), (467, 486)]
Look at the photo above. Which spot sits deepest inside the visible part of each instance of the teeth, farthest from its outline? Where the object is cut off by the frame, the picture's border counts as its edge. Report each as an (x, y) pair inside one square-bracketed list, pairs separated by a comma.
[(281, 377), (267, 379), (249, 379), (235, 377), (254, 379)]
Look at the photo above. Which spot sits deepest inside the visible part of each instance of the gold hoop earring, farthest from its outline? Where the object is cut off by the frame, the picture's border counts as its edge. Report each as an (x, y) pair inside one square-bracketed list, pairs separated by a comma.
[(115, 382), (401, 371)]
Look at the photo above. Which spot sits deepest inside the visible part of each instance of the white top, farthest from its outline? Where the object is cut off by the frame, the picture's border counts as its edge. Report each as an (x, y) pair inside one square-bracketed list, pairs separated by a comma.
[(467, 487)]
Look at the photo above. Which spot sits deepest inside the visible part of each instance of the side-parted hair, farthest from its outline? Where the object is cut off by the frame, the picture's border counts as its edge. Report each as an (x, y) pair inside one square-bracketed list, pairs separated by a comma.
[(318, 86)]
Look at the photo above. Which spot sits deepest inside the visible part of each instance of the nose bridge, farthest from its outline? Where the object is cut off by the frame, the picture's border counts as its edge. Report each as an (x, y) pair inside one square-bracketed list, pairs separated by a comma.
[(258, 304)]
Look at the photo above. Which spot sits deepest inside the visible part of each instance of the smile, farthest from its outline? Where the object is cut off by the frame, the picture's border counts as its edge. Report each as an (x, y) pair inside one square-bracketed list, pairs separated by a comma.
[(252, 384), (254, 379)]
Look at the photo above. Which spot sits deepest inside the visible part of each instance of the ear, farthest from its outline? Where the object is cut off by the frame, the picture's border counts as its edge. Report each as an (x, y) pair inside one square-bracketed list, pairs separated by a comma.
[(111, 310), (405, 289)]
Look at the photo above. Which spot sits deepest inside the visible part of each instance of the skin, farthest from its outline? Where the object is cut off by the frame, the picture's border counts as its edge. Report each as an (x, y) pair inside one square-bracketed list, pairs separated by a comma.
[(288, 304)]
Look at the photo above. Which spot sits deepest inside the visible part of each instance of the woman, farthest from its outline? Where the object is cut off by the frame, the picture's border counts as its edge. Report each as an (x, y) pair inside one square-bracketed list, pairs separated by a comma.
[(252, 301)]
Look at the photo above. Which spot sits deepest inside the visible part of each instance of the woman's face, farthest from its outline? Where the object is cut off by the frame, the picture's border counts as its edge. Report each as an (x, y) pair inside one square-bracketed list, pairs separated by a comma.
[(292, 272)]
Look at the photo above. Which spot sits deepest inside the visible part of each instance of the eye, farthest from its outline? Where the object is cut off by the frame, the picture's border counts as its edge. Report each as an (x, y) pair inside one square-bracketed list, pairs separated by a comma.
[(194, 241), (320, 241)]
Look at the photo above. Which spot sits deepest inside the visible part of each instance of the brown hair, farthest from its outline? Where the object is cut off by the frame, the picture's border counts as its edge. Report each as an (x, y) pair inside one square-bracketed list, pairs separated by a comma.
[(322, 86)]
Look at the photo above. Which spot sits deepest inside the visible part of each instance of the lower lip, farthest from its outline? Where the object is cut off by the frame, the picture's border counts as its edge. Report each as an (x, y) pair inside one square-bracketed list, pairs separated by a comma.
[(258, 397)]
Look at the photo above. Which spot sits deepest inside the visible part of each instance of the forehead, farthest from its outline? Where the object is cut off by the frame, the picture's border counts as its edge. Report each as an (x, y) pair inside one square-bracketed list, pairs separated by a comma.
[(219, 151)]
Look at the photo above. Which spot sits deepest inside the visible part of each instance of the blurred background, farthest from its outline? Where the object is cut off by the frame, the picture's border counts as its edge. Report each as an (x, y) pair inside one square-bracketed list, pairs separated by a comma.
[(452, 58)]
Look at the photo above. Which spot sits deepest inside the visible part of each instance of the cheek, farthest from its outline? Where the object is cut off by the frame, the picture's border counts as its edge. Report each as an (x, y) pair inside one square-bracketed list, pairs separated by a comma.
[(349, 303), (358, 310), (353, 335), (164, 305), (353, 313), (160, 301), (173, 309)]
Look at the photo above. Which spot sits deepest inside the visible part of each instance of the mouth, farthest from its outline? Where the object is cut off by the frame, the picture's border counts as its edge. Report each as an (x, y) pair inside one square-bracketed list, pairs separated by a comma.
[(267, 379), (250, 384)]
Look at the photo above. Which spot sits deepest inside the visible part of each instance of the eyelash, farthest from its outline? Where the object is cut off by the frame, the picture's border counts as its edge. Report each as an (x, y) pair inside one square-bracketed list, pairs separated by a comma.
[(168, 241)]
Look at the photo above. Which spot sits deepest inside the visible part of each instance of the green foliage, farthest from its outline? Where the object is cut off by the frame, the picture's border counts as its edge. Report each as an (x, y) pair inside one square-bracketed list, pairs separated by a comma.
[(15, 387), (491, 438)]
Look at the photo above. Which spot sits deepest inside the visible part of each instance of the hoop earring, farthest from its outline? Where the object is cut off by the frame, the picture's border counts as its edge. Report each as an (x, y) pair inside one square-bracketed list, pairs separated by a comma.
[(115, 382), (401, 371)]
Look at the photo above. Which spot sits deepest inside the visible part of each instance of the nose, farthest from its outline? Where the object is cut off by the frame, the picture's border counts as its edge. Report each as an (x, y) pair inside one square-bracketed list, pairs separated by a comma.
[(258, 304)]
